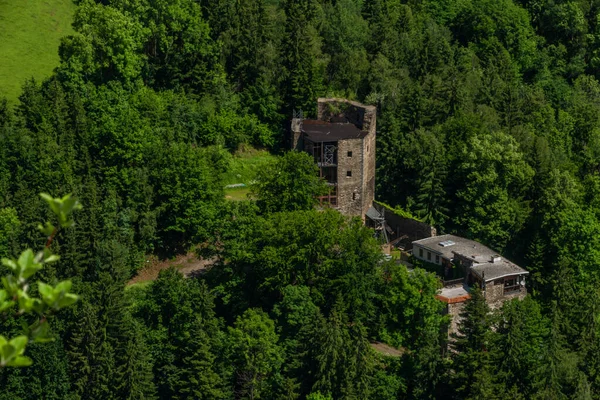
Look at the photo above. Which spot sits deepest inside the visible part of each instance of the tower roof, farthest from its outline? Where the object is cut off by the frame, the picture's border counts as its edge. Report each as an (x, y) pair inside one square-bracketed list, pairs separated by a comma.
[(322, 131)]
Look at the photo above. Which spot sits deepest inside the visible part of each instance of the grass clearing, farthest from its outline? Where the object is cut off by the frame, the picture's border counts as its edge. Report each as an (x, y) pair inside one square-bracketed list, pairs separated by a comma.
[(30, 32), (237, 194), (245, 164), (138, 285)]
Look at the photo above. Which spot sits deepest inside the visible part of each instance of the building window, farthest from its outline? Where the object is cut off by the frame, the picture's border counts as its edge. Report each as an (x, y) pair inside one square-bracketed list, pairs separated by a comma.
[(349, 154), (421, 253), (428, 256), (511, 285), (348, 173), (437, 259)]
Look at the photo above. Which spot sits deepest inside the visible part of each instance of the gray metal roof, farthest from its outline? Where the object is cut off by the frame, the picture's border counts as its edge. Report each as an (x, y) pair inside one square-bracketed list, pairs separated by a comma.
[(466, 247), (449, 245), (498, 269), (321, 131)]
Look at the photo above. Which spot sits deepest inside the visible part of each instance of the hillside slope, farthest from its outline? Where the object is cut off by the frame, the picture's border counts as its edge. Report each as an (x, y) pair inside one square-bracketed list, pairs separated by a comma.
[(30, 32)]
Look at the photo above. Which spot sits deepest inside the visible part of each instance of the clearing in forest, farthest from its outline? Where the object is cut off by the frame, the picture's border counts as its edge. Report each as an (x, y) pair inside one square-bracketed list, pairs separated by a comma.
[(30, 32), (188, 264), (243, 168)]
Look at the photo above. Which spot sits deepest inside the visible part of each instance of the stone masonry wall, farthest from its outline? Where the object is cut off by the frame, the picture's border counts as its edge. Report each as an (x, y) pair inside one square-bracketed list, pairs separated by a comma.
[(356, 193), (494, 294), (454, 311), (350, 194), (368, 172), (362, 115)]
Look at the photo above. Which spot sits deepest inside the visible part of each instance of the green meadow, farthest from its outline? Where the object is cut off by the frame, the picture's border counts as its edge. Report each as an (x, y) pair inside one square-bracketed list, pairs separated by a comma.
[(30, 32)]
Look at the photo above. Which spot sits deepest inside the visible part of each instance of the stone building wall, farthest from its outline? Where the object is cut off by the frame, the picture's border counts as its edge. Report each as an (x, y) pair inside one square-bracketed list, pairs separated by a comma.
[(368, 188), (494, 294), (350, 193), (362, 115), (454, 310), (355, 193)]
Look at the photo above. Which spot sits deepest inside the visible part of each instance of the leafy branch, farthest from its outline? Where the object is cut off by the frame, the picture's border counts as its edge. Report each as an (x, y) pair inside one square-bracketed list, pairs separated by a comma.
[(14, 293)]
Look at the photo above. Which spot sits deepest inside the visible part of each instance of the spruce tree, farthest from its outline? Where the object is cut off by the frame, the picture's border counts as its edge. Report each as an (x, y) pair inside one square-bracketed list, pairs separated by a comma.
[(302, 58), (342, 358), (473, 373), (427, 365), (518, 349), (92, 364), (198, 377), (135, 380), (431, 200)]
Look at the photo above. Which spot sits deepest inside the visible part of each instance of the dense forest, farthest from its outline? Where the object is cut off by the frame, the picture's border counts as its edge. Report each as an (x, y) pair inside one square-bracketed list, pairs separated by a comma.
[(488, 127)]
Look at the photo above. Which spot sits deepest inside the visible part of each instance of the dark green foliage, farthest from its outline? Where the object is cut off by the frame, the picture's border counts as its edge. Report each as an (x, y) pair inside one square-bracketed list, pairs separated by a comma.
[(471, 361), (290, 183), (333, 256), (344, 361), (183, 337), (302, 57), (254, 355), (519, 346), (488, 126), (48, 377)]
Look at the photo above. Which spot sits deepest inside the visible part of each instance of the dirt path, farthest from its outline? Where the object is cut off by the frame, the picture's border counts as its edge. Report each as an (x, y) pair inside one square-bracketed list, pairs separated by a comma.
[(188, 264)]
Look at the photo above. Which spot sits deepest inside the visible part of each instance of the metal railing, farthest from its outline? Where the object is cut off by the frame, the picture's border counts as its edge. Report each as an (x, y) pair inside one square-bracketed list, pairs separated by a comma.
[(454, 282)]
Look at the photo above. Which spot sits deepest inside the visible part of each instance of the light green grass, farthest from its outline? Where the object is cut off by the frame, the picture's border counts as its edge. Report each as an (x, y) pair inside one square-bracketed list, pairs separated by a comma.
[(245, 165), (139, 285), (30, 32), (237, 194)]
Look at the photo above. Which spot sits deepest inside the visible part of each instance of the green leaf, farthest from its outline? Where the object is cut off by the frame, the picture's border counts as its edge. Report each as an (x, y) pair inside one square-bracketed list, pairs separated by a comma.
[(39, 332), (10, 284), (47, 229), (46, 292), (7, 353), (27, 265), (52, 258), (4, 304), (67, 300), (53, 203), (9, 263), (28, 304), (19, 343), (63, 286), (20, 361)]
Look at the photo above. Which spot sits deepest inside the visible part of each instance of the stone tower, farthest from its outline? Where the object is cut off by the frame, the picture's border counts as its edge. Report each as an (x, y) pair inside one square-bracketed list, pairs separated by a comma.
[(342, 143)]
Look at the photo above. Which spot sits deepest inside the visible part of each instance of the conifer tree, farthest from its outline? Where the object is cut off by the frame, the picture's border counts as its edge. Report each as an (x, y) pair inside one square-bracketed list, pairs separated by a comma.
[(549, 383), (518, 348), (427, 365), (134, 366), (92, 365), (302, 58), (471, 358), (342, 357), (431, 196), (248, 39), (197, 375)]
